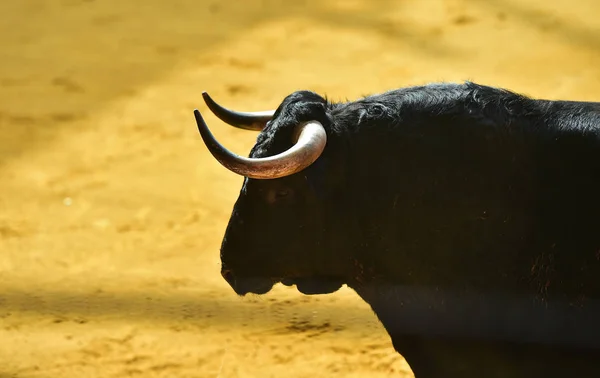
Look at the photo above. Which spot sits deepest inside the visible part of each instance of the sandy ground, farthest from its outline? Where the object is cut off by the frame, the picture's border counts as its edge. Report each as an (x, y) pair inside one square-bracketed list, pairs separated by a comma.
[(112, 210)]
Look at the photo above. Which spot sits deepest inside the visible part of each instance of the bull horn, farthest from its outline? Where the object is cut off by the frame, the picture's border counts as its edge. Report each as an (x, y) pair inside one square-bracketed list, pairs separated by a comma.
[(254, 121), (309, 142)]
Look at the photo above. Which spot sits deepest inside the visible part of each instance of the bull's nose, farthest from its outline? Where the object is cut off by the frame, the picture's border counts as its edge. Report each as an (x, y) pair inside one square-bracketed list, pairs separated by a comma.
[(228, 276)]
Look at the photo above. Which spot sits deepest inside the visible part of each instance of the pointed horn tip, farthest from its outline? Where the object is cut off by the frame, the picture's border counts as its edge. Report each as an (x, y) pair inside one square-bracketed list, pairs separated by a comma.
[(207, 99), (199, 118), (212, 105)]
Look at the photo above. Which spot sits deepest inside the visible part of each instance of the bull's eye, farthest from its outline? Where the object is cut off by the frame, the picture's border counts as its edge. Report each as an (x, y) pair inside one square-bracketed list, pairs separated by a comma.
[(279, 194), (282, 193)]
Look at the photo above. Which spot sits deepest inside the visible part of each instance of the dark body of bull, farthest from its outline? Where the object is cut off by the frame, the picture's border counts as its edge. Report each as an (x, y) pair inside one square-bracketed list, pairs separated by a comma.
[(468, 217)]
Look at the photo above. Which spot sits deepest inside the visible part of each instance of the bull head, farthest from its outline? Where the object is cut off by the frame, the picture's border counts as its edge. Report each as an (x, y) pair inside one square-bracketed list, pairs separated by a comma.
[(278, 218), (309, 141)]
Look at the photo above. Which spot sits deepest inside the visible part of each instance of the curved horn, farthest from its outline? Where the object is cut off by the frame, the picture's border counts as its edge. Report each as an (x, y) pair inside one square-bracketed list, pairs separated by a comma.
[(254, 121), (310, 139)]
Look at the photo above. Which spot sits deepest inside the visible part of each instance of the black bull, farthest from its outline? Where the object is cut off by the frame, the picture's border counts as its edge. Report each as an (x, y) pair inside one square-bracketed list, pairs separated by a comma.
[(468, 217)]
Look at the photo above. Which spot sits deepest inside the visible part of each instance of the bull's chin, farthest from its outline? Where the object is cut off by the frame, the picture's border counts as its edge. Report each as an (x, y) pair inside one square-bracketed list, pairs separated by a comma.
[(314, 285)]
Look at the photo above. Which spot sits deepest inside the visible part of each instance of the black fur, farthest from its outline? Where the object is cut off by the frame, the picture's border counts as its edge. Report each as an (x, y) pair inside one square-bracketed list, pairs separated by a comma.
[(467, 216)]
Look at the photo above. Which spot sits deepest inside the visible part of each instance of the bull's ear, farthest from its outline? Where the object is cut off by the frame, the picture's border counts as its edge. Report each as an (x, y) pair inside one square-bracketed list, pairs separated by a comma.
[(324, 176), (315, 177)]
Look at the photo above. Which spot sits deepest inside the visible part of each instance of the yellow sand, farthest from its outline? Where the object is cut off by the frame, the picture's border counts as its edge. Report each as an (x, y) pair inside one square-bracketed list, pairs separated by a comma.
[(112, 210)]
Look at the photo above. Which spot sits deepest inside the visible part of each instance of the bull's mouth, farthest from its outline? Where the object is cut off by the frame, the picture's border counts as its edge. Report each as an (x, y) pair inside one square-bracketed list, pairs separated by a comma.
[(305, 285), (252, 285)]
